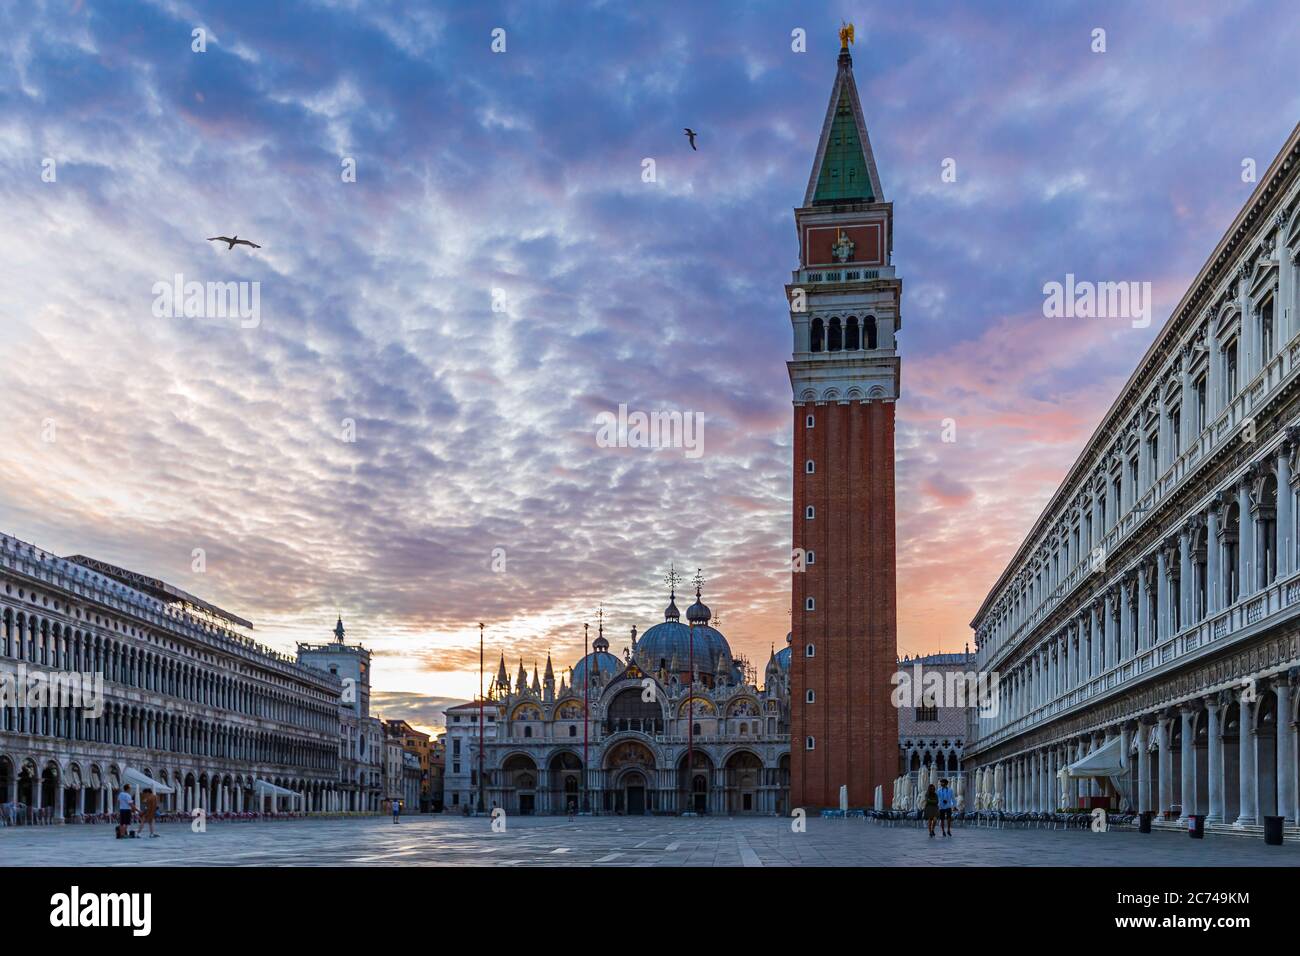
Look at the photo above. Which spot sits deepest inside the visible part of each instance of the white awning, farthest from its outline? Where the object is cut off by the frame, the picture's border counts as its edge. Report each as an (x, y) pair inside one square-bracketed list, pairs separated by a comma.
[(142, 780), (1106, 761), (265, 786)]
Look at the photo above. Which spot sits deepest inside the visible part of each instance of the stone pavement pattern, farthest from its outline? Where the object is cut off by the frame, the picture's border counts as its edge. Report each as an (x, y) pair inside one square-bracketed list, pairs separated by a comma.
[(619, 841)]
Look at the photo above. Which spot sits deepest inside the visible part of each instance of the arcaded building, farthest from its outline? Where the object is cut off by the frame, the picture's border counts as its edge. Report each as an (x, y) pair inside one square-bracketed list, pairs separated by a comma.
[(189, 699), (1150, 621)]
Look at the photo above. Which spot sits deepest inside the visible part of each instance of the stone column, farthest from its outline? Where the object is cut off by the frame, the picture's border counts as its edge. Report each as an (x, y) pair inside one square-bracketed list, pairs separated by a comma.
[(1246, 761), (1286, 761), (1144, 776), (1053, 788), (1094, 788), (1094, 658), (1162, 596), (1114, 639), (1214, 751), (1247, 351), (1284, 309), (1213, 585), (1188, 751), (1125, 640), (1040, 770), (1164, 446), (1285, 518), (1245, 540), (1213, 385), (1144, 609), (1185, 582), (1164, 742)]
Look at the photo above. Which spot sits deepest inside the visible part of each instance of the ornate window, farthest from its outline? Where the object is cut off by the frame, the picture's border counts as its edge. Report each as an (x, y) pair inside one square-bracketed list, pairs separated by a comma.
[(1230, 370), (1266, 338), (869, 332), (817, 335)]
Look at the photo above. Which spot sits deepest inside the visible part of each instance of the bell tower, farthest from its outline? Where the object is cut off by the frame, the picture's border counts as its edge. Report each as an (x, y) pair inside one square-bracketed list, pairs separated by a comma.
[(844, 309)]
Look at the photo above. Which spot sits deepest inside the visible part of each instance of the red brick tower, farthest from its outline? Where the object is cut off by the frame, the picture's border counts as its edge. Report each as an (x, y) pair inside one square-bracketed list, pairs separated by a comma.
[(844, 306)]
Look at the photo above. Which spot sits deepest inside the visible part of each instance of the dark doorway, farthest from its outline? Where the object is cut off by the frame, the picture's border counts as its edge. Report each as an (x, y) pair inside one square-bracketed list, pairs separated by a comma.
[(636, 801)]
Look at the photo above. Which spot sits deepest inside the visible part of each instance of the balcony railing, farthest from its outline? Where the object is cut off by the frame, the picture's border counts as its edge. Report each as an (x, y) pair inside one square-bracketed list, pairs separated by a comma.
[(1277, 602)]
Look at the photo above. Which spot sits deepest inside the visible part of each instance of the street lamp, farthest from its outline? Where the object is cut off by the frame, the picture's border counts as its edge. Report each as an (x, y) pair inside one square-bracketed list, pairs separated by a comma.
[(481, 808)]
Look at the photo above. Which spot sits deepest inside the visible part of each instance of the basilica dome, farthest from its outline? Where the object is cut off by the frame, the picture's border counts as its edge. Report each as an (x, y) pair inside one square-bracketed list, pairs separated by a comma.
[(783, 655), (672, 640), (601, 661)]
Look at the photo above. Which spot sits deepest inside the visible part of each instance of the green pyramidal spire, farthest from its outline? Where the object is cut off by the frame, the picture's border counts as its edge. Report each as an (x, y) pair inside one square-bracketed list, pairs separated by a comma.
[(845, 169)]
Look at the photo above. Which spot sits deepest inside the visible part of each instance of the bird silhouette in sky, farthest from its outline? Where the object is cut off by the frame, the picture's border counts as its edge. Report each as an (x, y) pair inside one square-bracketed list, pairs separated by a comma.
[(233, 241), (690, 134)]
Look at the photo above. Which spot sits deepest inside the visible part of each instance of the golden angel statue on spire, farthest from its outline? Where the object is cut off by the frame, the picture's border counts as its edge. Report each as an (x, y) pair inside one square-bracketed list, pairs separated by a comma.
[(846, 35)]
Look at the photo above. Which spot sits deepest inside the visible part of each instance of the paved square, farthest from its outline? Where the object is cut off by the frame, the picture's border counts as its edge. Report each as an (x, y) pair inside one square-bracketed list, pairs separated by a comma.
[(620, 841)]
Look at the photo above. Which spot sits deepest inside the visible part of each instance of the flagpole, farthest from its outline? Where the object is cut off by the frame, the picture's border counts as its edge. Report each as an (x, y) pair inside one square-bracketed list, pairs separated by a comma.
[(586, 704)]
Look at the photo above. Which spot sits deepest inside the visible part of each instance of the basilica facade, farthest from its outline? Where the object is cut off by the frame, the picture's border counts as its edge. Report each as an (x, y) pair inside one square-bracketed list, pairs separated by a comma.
[(672, 726), (1146, 635)]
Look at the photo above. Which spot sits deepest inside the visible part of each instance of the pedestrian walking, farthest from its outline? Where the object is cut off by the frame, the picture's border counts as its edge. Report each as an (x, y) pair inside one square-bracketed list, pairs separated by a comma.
[(947, 800), (125, 804), (931, 805), (150, 808)]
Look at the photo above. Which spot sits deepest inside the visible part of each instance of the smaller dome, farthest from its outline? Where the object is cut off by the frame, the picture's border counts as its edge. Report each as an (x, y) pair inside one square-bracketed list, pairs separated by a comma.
[(600, 644), (698, 613), (601, 662), (670, 612)]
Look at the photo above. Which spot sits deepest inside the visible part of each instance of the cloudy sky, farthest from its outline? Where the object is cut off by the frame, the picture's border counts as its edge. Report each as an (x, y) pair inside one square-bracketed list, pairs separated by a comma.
[(418, 390)]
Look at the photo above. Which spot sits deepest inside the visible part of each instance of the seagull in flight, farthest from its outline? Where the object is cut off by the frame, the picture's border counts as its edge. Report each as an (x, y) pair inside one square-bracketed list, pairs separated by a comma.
[(233, 241), (691, 134)]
